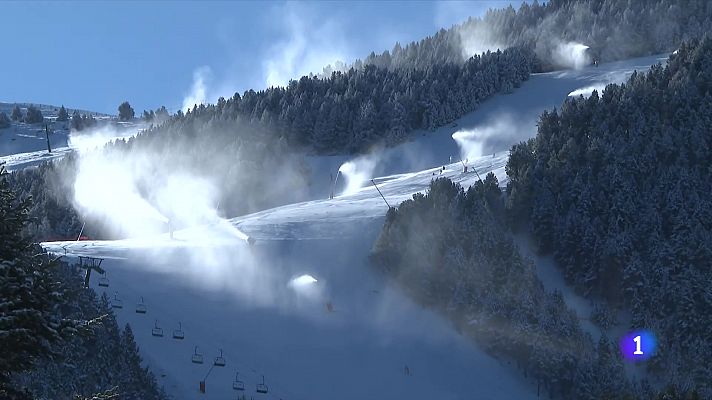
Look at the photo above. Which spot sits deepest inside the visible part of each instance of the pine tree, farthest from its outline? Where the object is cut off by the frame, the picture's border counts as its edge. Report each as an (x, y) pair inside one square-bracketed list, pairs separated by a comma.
[(62, 115), (16, 113), (29, 325), (34, 115), (77, 124), (126, 113), (4, 120)]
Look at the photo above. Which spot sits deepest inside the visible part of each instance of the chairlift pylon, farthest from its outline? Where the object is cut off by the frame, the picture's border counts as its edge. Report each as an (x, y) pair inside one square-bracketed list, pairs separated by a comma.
[(238, 384), (103, 280), (157, 331), (197, 358), (89, 264), (219, 360), (116, 302), (141, 307), (178, 333), (261, 387)]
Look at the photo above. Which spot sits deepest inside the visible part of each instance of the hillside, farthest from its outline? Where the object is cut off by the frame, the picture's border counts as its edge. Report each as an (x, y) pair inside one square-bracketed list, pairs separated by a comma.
[(329, 240), (489, 212), (631, 227)]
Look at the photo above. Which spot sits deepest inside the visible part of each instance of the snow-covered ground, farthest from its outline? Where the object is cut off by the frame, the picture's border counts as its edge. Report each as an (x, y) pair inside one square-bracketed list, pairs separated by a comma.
[(499, 122), (19, 143), (268, 323), (302, 306)]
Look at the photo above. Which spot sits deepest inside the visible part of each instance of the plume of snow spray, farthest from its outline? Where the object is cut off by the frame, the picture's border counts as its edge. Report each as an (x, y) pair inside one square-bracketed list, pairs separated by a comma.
[(95, 138), (137, 191), (494, 135), (477, 39), (357, 172), (571, 55), (309, 44), (198, 92)]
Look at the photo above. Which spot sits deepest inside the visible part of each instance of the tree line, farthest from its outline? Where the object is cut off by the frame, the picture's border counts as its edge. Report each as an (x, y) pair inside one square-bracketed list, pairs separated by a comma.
[(57, 339), (614, 30), (451, 251), (616, 186)]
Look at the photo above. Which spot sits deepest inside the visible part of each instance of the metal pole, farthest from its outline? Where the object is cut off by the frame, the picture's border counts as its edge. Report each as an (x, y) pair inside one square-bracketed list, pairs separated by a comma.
[(474, 169), (478, 175), (333, 187), (209, 371), (379, 192), (49, 149), (81, 231)]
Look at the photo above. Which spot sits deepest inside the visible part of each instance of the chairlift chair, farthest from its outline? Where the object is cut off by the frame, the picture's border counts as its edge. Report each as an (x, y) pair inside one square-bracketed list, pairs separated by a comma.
[(197, 358), (238, 384), (141, 307), (219, 360), (103, 280), (156, 331), (178, 333), (261, 387), (116, 302)]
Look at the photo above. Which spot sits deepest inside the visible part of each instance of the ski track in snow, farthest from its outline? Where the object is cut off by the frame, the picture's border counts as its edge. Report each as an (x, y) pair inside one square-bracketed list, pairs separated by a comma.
[(361, 349)]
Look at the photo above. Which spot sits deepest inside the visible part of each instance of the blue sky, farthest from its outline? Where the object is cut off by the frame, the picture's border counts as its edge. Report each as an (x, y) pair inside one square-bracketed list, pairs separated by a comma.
[(94, 55)]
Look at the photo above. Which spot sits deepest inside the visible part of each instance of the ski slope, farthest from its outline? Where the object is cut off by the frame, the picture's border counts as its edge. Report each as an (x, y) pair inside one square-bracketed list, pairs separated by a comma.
[(274, 327), (504, 119), (24, 145), (302, 307)]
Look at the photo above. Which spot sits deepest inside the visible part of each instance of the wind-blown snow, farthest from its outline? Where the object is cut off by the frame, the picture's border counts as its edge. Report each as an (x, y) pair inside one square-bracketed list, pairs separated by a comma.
[(29, 138), (302, 306), (335, 330)]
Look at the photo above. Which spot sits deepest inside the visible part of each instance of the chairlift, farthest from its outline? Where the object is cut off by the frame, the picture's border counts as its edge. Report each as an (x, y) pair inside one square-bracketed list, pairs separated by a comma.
[(141, 307), (219, 360), (261, 387), (104, 281), (157, 331), (197, 358), (116, 302), (178, 333), (238, 384)]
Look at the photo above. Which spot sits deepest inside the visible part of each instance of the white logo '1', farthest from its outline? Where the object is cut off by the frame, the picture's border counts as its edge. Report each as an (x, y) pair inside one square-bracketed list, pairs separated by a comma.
[(637, 351)]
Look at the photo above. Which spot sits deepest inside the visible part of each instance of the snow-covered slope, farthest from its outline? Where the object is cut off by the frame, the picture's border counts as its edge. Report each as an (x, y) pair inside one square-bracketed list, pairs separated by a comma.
[(302, 306), (268, 324), (501, 121), (27, 138), (30, 137)]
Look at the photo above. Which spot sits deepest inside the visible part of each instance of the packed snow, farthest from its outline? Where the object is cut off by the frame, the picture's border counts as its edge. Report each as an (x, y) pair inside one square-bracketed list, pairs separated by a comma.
[(301, 307)]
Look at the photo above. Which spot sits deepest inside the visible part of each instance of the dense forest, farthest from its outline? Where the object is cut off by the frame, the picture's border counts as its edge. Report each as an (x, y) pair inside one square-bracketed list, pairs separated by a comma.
[(617, 187), (56, 339), (240, 142), (351, 111), (450, 249), (614, 30)]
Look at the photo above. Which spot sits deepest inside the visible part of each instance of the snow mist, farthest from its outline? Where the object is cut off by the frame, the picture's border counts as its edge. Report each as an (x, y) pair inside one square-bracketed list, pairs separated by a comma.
[(357, 172), (198, 91), (168, 211), (473, 142), (571, 55), (477, 39), (104, 133), (308, 44)]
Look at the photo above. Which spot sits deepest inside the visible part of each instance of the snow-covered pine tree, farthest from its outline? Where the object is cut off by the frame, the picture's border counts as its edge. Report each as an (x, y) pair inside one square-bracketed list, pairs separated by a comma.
[(16, 114), (4, 120), (29, 324), (62, 114)]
